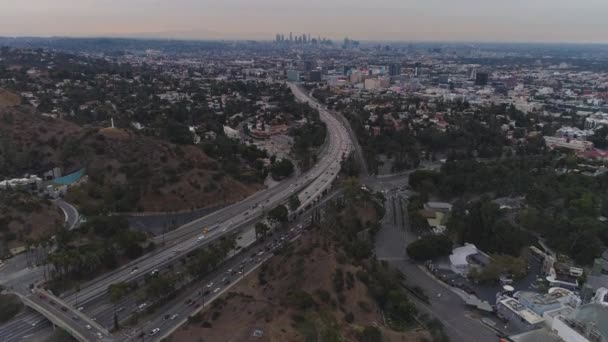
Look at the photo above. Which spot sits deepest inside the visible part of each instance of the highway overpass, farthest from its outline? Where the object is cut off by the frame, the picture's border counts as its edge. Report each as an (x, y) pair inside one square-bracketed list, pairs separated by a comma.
[(310, 186)]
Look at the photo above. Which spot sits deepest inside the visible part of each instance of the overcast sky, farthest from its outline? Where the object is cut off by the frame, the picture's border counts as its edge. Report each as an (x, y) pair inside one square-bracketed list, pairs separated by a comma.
[(444, 20)]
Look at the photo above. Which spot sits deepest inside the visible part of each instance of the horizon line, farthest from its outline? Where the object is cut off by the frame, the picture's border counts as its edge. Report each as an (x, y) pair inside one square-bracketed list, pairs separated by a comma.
[(269, 40)]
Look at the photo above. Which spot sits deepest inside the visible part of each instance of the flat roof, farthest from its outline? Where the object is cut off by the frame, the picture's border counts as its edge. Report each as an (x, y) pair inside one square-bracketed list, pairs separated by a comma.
[(526, 314), (459, 255)]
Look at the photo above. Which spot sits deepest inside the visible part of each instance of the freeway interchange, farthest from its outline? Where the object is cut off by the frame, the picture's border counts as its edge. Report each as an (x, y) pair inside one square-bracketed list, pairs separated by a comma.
[(65, 312)]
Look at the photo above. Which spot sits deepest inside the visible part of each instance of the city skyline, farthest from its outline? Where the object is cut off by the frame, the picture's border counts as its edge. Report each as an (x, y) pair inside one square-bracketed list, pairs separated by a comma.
[(388, 20)]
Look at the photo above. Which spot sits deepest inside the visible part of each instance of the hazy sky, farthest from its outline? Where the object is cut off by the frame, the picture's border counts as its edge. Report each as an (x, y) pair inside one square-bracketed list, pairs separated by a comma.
[(461, 20)]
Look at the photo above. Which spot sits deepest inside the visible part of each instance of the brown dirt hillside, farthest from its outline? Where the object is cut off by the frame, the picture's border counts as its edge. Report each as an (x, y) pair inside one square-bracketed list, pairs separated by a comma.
[(127, 171), (292, 298), (8, 99), (25, 216)]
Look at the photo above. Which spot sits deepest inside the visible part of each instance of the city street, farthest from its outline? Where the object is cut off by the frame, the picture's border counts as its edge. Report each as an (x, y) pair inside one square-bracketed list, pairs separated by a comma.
[(460, 324)]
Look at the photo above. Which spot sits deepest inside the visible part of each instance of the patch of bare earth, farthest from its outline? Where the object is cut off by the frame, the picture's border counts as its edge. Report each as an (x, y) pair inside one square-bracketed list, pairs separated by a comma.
[(24, 216), (262, 301), (169, 177), (8, 99)]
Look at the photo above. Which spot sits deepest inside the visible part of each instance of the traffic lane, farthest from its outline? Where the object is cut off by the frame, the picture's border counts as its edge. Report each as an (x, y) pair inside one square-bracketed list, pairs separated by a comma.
[(26, 323), (67, 317), (104, 312), (330, 140), (446, 306), (250, 261), (70, 212)]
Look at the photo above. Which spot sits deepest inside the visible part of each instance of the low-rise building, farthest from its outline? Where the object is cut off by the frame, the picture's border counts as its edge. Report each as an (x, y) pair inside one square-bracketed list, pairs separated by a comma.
[(464, 258), (518, 315)]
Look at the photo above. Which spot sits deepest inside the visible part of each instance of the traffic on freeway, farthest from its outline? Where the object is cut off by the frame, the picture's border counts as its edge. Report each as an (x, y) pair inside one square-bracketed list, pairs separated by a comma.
[(198, 233)]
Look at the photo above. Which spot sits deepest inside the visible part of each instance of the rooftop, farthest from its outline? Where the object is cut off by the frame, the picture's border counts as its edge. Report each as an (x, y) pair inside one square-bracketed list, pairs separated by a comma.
[(524, 313)]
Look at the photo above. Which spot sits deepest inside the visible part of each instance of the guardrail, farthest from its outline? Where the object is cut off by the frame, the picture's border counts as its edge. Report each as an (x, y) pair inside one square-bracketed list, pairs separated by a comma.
[(51, 317)]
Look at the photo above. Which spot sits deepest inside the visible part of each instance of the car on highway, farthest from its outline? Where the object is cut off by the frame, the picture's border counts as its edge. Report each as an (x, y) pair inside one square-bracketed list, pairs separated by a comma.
[(142, 306), (217, 289), (166, 317), (80, 308), (134, 270), (88, 327), (64, 309), (154, 331), (35, 323), (209, 285), (200, 238), (120, 309), (75, 318), (174, 316), (99, 335)]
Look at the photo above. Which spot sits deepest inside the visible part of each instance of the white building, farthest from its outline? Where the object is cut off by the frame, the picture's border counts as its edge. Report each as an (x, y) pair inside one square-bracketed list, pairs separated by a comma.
[(231, 133), (571, 144), (466, 257), (596, 120)]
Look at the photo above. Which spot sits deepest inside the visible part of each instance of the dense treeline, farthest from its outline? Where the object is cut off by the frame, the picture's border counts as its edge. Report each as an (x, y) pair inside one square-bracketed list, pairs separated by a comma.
[(563, 204)]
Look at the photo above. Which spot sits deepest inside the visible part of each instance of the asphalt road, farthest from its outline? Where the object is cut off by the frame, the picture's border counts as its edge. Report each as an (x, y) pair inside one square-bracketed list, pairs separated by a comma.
[(190, 236), (71, 213), (460, 324)]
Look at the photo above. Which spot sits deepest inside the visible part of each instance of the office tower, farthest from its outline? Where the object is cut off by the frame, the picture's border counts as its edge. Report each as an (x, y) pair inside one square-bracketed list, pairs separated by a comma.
[(481, 78), (346, 69), (308, 65), (278, 38), (394, 69), (315, 76), (290, 37), (304, 38)]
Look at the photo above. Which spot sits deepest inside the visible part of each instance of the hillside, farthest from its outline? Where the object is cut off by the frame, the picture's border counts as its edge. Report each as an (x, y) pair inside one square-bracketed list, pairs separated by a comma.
[(8, 99), (127, 171), (293, 297), (314, 289), (26, 217)]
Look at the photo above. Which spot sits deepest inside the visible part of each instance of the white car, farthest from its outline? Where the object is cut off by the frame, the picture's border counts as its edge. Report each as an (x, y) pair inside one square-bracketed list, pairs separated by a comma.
[(200, 238), (88, 327), (99, 335), (80, 308), (209, 285), (142, 306), (217, 289), (154, 331), (174, 316)]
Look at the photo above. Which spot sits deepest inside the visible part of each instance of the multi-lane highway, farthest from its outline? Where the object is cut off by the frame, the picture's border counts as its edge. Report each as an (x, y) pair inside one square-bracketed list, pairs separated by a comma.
[(309, 186)]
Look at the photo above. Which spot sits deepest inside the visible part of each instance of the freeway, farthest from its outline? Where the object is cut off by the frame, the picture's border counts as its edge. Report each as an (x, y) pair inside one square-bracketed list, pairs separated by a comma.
[(190, 237)]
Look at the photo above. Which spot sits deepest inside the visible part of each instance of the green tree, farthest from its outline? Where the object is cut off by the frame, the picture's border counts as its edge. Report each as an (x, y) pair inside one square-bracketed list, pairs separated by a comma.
[(430, 247), (261, 229), (279, 214), (294, 202), (282, 169)]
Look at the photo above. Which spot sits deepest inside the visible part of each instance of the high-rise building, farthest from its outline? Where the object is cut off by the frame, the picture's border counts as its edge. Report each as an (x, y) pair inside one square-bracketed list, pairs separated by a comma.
[(293, 75), (308, 65), (278, 38), (315, 76), (394, 69), (481, 78), (304, 38), (346, 69), (290, 37)]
